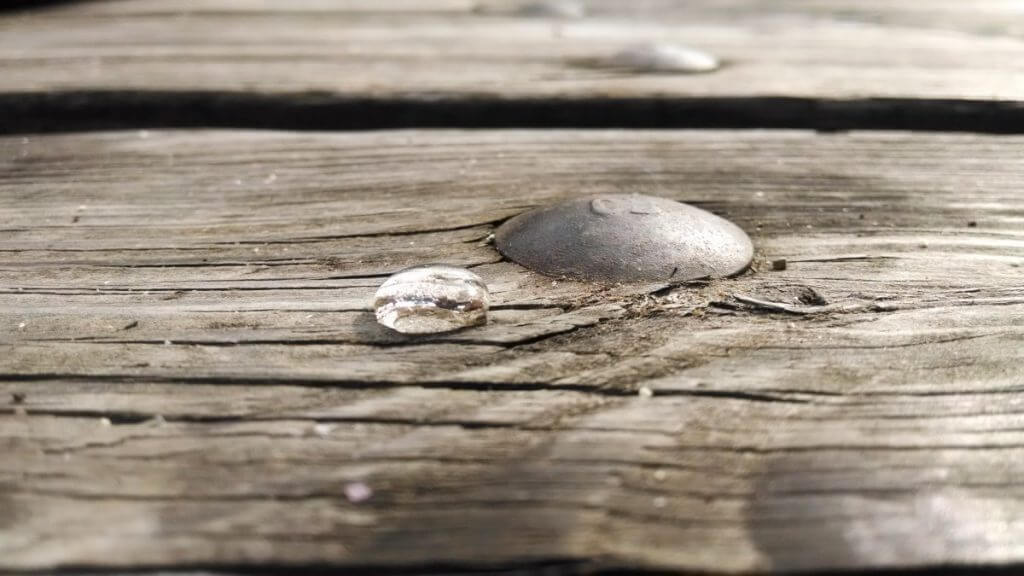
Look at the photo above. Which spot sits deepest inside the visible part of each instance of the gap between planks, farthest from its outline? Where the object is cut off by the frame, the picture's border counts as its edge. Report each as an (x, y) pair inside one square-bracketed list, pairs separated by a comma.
[(83, 111)]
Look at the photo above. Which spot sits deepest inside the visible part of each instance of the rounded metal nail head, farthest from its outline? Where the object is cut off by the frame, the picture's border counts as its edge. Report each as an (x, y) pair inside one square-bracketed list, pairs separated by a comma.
[(625, 238), (432, 298), (664, 58)]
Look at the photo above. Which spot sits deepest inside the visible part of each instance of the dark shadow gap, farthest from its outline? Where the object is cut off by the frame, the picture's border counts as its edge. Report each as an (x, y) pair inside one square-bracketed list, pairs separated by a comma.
[(78, 111), (15, 6), (550, 567)]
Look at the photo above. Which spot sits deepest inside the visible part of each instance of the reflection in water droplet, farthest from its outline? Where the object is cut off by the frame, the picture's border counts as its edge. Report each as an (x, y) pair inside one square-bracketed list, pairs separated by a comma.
[(430, 299)]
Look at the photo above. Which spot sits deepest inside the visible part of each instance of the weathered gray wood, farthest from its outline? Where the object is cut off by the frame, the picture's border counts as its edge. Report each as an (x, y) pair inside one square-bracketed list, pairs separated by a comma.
[(168, 274), (458, 50)]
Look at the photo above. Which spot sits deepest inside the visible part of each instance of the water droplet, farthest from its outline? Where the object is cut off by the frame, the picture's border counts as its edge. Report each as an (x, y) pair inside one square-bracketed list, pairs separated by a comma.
[(430, 299), (645, 392), (664, 58), (625, 238)]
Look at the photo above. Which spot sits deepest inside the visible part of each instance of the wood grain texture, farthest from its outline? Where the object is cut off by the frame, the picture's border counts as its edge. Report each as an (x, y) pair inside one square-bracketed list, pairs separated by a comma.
[(459, 50), (207, 294)]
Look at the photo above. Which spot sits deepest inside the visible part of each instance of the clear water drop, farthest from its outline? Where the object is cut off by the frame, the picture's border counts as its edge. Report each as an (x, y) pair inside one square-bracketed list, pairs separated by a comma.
[(430, 299)]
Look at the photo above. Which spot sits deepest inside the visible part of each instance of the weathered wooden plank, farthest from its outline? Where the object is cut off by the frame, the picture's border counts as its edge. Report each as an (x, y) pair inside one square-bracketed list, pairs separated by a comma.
[(458, 50), (880, 429), (667, 482), (236, 269)]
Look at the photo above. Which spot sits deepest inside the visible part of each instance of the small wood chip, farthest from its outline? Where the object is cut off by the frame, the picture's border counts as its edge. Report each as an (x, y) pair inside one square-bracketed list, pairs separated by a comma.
[(770, 306)]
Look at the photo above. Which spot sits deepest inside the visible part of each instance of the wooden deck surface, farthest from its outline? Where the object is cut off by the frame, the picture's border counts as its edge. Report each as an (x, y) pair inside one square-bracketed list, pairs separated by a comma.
[(192, 380), (440, 48)]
